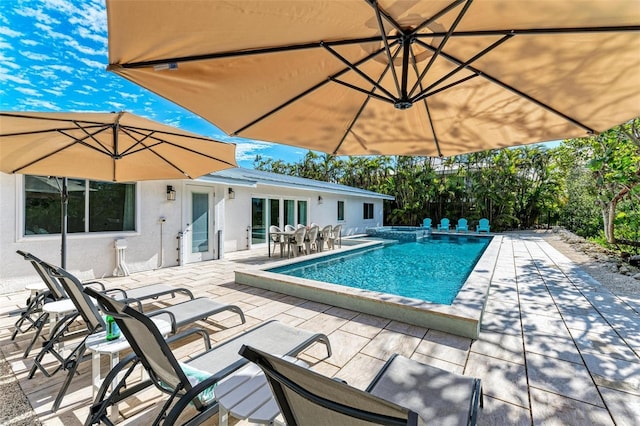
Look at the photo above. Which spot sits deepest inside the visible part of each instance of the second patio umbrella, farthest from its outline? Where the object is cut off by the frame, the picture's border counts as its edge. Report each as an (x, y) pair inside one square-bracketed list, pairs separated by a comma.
[(358, 77), (116, 147)]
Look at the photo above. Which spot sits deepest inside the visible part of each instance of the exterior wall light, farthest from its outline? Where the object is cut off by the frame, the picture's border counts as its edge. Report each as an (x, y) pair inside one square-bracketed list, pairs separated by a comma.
[(171, 193), (319, 199), (232, 194)]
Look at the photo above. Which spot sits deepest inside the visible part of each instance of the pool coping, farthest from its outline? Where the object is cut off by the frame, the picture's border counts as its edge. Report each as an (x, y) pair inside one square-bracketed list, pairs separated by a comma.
[(463, 317)]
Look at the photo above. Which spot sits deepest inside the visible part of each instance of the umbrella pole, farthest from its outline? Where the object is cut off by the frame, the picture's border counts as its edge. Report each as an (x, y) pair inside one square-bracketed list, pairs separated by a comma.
[(64, 201)]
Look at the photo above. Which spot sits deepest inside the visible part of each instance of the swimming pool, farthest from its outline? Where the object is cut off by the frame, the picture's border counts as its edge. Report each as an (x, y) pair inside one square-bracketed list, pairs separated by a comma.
[(431, 269), (462, 317)]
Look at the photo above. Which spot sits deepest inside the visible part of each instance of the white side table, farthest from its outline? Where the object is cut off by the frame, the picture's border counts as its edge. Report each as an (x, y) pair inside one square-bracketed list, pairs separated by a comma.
[(98, 345), (246, 395)]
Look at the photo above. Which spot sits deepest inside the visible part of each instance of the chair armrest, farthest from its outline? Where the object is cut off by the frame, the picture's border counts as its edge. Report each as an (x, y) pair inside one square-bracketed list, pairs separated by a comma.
[(189, 333), (94, 284), (172, 318)]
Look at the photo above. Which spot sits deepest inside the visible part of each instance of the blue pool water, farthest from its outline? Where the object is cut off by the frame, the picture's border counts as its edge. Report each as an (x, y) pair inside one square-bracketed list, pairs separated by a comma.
[(433, 270)]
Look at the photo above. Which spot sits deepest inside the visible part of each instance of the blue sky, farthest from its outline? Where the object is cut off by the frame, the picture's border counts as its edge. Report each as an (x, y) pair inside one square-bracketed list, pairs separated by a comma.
[(53, 57)]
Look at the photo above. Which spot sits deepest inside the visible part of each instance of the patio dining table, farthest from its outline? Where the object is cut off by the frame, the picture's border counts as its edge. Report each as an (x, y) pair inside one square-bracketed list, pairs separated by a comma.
[(287, 238)]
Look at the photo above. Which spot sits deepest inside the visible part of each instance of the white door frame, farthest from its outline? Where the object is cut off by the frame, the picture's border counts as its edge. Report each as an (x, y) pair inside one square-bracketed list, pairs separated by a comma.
[(208, 250)]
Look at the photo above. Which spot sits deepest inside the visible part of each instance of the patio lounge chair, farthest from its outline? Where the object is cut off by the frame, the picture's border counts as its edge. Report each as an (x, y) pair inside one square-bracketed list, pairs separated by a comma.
[(404, 392), (426, 223), (444, 224), (483, 225), (63, 306), (178, 379), (177, 315), (36, 315), (462, 225)]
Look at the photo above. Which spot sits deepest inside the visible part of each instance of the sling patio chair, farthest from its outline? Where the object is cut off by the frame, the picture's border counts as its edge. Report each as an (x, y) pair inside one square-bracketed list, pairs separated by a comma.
[(66, 330), (404, 392), (40, 307), (191, 381)]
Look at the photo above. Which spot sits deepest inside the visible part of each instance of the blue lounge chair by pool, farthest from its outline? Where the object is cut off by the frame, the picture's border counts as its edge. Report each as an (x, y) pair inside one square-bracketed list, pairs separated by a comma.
[(483, 225), (426, 222), (462, 225), (444, 224)]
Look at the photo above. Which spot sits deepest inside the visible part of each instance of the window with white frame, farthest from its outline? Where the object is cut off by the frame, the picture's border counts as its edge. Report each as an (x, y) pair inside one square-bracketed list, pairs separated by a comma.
[(92, 207)]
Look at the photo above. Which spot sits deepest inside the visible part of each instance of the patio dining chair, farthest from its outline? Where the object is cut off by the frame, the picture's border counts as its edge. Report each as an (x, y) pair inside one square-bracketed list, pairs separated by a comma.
[(66, 329), (289, 228), (297, 241), (191, 381), (311, 240), (336, 235), (325, 237), (277, 239), (404, 392)]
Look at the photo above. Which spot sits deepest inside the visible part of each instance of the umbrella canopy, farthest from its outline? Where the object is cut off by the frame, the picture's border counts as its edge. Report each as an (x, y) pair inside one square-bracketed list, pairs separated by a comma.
[(117, 147), (359, 77)]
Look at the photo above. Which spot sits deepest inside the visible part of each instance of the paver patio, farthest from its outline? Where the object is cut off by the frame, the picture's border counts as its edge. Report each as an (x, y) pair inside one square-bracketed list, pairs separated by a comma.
[(556, 347)]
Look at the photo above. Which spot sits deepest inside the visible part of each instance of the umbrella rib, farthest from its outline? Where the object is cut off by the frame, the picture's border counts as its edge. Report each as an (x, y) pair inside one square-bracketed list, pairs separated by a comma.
[(374, 4), (512, 89), (381, 13), (433, 130), (359, 89), (304, 93), (460, 67), (441, 45), (537, 31), (354, 68), (165, 142), (426, 106), (49, 154), (362, 107), (258, 51)]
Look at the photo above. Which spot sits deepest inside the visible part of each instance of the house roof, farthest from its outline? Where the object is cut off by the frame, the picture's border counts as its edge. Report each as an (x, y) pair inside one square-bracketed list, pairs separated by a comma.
[(254, 178)]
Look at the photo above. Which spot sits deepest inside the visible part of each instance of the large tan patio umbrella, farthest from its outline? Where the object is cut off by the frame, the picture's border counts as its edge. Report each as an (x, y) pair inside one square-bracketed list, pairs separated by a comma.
[(465, 75), (116, 147)]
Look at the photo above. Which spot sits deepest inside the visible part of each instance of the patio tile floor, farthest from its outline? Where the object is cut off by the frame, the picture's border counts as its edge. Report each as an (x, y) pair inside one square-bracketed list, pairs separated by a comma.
[(556, 347)]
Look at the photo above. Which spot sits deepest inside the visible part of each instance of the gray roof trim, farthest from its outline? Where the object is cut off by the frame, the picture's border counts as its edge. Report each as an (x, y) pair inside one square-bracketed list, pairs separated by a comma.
[(253, 178)]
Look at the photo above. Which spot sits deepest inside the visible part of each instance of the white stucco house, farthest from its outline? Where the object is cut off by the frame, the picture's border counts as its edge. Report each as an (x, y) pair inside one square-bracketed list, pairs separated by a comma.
[(158, 224)]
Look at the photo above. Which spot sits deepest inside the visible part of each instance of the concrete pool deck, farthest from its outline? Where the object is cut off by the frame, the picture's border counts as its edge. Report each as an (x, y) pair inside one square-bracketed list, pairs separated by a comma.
[(555, 347)]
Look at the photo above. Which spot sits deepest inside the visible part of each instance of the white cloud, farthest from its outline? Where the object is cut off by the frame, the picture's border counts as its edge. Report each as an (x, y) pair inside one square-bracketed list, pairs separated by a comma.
[(29, 42), (84, 49), (8, 76), (36, 56), (40, 104), (116, 105), (29, 92), (93, 64), (54, 92), (246, 151), (63, 68), (38, 14), (9, 32)]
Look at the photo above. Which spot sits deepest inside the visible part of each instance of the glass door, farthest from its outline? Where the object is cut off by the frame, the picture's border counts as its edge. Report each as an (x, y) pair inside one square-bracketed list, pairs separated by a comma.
[(199, 235), (258, 221)]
